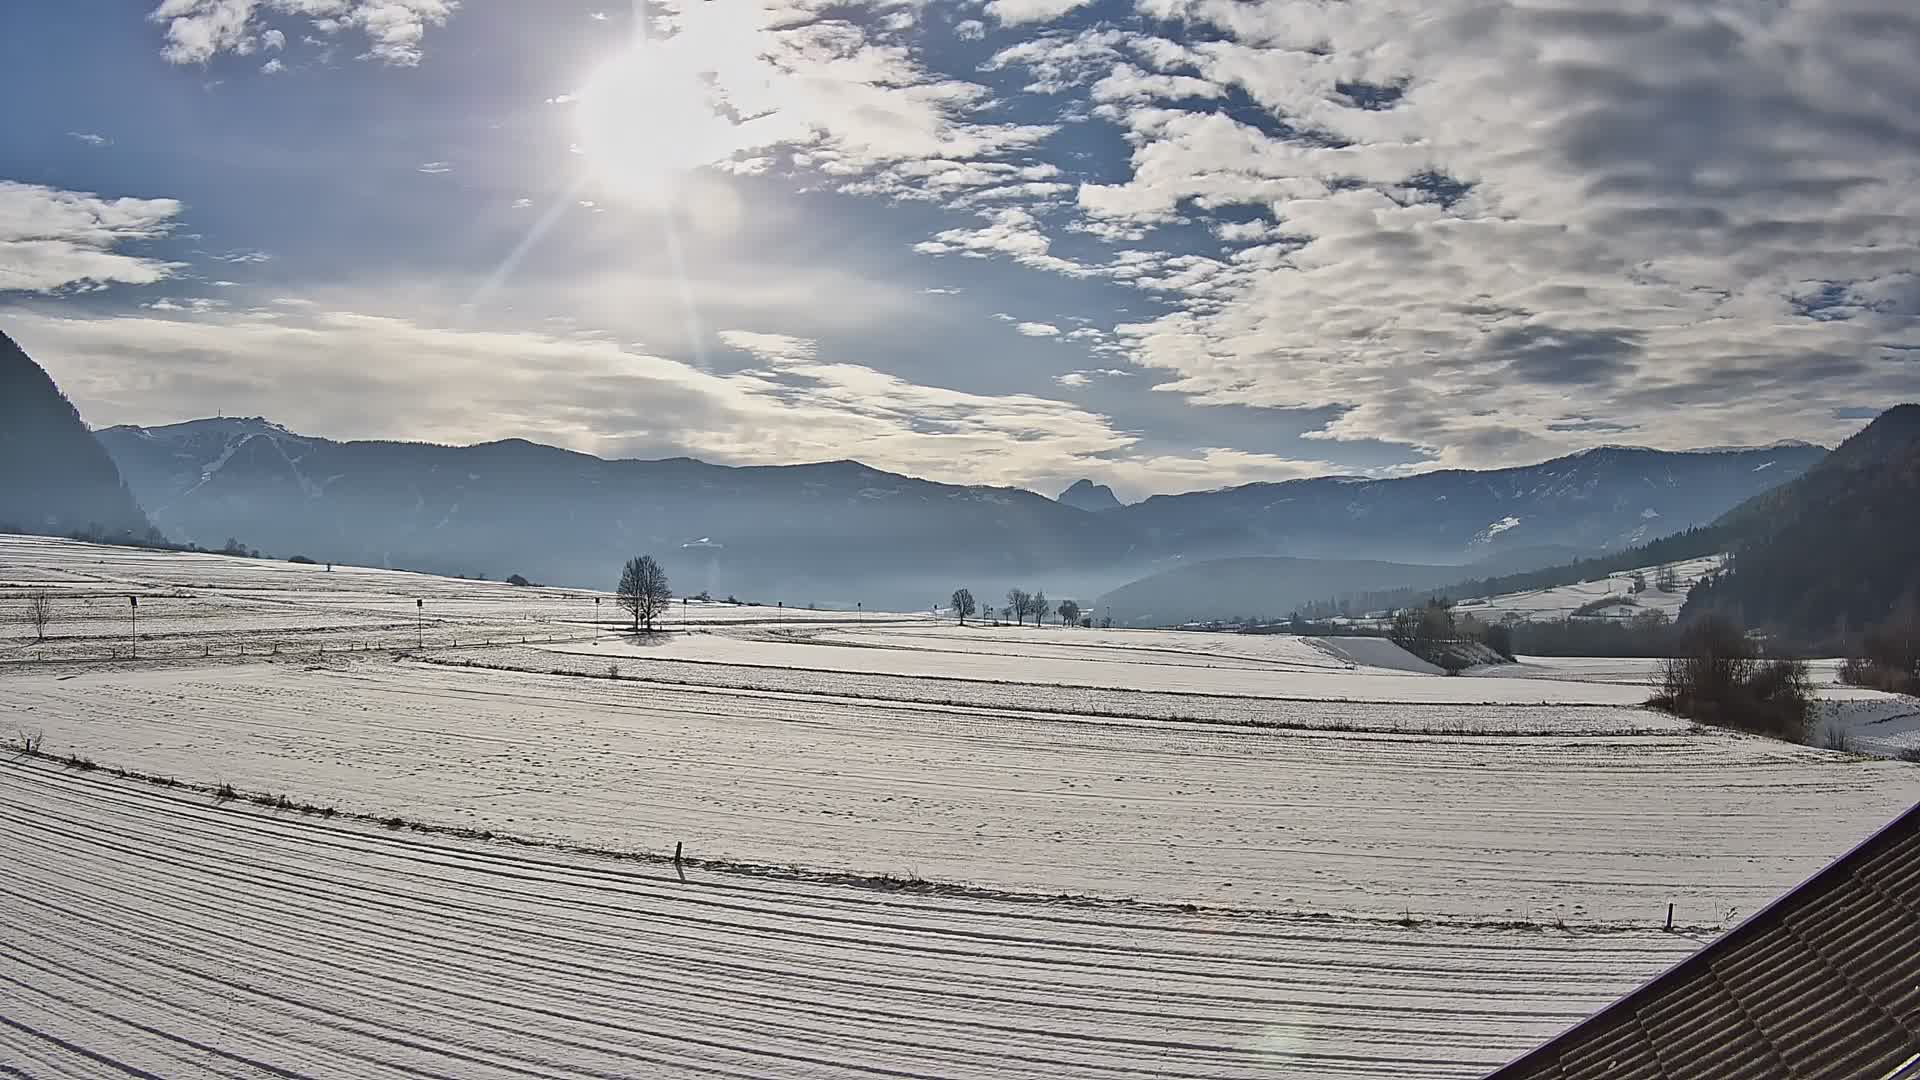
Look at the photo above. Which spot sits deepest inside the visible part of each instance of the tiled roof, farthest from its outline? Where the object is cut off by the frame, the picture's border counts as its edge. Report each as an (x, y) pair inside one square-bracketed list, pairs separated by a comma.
[(1825, 982)]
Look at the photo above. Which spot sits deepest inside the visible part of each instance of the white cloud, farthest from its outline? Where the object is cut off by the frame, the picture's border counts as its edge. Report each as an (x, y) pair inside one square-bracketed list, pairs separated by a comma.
[(1059, 63), (52, 239), (1459, 222), (90, 138), (522, 204), (1075, 379), (435, 168), (970, 29), (1017, 12), (197, 31), (273, 67), (1037, 329), (1010, 231), (790, 89), (770, 347), (199, 305)]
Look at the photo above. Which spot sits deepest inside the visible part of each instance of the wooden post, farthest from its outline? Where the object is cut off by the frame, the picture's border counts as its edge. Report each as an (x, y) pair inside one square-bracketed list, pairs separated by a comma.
[(1669, 918), (677, 868)]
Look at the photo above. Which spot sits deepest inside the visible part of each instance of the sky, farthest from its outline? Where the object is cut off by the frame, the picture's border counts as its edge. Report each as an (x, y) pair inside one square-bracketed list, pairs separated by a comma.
[(1164, 244)]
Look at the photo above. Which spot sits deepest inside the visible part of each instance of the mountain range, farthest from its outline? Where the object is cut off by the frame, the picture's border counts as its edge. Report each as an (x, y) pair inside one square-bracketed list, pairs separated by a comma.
[(837, 532), (832, 533)]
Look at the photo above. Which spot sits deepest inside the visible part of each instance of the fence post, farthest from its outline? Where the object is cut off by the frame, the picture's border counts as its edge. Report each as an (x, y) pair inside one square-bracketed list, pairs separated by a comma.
[(1669, 918)]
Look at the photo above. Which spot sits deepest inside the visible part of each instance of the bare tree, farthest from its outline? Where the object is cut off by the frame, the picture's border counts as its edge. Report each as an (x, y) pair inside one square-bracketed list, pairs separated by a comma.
[(1069, 612), (644, 591), (39, 613), (963, 604), (1037, 604), (1666, 580), (1018, 604)]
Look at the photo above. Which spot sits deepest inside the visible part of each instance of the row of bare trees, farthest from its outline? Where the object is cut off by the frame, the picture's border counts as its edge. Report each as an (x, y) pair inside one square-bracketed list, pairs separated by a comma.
[(1020, 605)]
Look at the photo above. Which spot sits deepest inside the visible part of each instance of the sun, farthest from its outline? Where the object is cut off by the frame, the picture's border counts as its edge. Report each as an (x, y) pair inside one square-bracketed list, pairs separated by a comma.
[(646, 119)]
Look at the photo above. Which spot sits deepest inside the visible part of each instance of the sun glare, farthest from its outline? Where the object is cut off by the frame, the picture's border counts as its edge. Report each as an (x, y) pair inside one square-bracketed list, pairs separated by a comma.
[(646, 119)]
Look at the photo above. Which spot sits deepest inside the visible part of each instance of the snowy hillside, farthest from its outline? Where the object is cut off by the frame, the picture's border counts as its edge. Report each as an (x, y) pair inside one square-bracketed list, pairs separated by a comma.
[(1563, 601)]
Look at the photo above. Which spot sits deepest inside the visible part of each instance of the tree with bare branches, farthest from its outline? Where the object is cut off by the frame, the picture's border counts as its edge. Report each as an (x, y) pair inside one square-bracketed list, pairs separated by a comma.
[(39, 614), (644, 591)]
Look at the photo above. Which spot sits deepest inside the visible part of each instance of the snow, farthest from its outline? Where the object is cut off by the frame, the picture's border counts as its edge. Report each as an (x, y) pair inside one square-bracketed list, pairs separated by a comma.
[(155, 930), (1150, 852), (1562, 601), (1047, 657), (1374, 652)]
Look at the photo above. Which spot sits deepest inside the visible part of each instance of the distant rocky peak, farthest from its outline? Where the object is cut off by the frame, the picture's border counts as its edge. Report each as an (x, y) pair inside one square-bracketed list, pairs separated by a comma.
[(1089, 496)]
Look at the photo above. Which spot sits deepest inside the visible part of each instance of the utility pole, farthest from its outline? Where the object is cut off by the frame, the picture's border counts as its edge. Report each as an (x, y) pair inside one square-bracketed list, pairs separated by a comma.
[(596, 618), (133, 604), (420, 623)]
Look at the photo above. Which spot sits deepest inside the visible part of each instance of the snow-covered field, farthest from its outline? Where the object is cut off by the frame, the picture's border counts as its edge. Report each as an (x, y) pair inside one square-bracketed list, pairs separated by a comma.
[(1163, 661), (1132, 853), (1562, 601), (198, 606), (150, 932)]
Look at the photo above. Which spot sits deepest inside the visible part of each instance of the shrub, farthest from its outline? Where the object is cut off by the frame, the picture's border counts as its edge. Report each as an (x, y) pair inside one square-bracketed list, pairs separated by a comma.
[(301, 559), (517, 580), (1717, 677), (1890, 657)]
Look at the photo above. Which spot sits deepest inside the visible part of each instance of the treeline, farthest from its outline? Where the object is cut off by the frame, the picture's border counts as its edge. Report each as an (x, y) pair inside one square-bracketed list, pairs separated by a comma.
[(1021, 605), (148, 539)]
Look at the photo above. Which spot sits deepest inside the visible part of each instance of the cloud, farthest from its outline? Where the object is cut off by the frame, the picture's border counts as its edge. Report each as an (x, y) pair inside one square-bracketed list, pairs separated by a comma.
[(1012, 231), (273, 67), (770, 347), (52, 239), (522, 203), (197, 31), (804, 89), (1075, 379), (581, 390), (198, 304), (1037, 329), (90, 138), (435, 168), (1016, 12), (1440, 220)]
